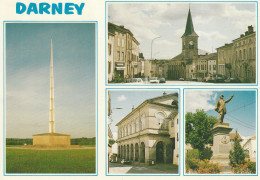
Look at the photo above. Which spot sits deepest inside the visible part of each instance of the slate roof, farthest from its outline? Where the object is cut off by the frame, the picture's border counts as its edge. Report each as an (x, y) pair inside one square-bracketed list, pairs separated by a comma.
[(189, 31), (212, 56), (232, 136)]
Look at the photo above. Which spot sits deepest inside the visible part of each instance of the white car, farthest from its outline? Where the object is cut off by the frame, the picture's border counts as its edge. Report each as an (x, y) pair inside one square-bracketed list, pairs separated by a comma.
[(135, 81), (154, 80)]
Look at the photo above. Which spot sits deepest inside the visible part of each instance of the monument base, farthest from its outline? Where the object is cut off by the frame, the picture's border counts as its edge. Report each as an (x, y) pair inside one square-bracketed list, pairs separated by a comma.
[(221, 145), (51, 140)]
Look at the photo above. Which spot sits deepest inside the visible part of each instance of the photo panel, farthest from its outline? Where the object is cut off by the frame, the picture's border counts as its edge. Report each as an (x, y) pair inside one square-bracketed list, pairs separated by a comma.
[(142, 132), (181, 43), (50, 98), (220, 132)]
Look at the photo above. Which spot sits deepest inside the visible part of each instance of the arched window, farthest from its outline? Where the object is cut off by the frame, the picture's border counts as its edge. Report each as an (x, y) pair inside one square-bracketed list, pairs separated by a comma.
[(129, 129), (250, 53), (137, 125), (160, 120), (143, 122), (133, 127)]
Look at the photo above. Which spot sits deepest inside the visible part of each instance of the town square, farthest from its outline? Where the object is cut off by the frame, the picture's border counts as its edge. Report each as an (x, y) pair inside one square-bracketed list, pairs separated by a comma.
[(181, 43)]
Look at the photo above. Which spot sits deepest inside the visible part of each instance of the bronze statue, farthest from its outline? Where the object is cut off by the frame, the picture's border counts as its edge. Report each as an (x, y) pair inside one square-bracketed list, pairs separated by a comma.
[(221, 108)]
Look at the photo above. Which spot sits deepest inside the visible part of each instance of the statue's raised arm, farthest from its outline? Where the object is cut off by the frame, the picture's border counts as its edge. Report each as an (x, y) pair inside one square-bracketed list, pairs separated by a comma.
[(229, 99)]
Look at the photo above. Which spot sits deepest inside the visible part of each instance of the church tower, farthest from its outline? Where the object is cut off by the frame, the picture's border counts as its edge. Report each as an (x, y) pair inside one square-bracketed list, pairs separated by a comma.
[(189, 40)]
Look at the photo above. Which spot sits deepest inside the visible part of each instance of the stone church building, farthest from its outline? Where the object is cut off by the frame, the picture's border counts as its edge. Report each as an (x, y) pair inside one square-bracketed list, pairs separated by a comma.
[(149, 134), (234, 60)]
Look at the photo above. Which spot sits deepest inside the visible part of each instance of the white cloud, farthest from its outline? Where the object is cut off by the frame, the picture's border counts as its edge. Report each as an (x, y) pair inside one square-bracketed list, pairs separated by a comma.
[(121, 98), (195, 100)]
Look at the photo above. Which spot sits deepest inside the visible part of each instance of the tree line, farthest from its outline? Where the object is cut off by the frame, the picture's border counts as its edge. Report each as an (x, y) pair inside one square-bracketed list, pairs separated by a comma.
[(29, 141)]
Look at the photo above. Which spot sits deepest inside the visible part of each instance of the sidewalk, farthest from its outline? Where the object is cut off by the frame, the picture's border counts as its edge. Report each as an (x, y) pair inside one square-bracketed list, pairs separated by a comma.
[(117, 168)]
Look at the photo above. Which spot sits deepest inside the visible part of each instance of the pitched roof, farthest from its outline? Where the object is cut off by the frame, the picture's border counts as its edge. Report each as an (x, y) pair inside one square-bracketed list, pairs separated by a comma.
[(178, 57), (252, 138), (151, 101), (189, 31), (211, 56), (232, 136)]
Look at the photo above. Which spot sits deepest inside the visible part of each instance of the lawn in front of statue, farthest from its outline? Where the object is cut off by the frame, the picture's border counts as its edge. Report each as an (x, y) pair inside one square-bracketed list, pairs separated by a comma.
[(117, 168), (50, 161)]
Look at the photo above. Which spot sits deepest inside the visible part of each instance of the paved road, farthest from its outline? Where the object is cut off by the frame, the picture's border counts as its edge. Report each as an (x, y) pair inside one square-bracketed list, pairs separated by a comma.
[(117, 168), (167, 83)]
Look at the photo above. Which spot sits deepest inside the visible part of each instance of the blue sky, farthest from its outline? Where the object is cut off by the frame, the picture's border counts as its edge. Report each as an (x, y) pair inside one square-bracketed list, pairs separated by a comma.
[(215, 23), (241, 110), (28, 78), (126, 99)]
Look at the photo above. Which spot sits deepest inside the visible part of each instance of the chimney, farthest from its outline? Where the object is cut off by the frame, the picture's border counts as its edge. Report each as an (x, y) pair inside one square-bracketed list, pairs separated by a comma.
[(250, 29), (164, 93), (133, 107)]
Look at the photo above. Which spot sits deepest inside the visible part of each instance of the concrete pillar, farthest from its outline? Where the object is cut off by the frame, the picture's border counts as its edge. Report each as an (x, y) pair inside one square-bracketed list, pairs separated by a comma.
[(147, 154)]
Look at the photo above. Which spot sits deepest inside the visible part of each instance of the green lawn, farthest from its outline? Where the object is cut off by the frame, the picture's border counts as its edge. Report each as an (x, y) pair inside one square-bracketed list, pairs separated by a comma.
[(50, 161)]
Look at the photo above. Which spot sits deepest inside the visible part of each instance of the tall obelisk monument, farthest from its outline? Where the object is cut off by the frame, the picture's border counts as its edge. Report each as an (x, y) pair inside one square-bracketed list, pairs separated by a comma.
[(51, 139), (51, 119)]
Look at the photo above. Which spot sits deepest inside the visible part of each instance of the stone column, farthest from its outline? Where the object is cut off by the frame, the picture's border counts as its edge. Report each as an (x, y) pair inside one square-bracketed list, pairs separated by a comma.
[(221, 144)]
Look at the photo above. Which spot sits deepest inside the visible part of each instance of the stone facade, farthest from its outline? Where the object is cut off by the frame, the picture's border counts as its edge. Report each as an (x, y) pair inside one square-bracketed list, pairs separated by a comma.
[(125, 55), (225, 59), (244, 63), (110, 56), (144, 136), (192, 63), (238, 59), (174, 134), (221, 144), (251, 148)]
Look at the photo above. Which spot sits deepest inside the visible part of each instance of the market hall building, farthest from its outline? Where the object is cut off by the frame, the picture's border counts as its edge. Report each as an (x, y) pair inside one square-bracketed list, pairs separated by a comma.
[(149, 134)]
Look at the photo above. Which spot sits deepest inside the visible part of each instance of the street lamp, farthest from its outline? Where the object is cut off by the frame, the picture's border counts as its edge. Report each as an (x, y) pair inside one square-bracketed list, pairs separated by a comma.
[(111, 111), (152, 46)]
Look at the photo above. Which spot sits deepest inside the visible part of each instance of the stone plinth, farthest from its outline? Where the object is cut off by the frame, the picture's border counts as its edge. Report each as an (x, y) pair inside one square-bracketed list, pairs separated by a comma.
[(51, 140), (221, 144)]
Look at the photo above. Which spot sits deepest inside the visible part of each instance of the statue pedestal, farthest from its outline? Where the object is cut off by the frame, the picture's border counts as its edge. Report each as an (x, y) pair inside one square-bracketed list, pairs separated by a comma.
[(221, 144)]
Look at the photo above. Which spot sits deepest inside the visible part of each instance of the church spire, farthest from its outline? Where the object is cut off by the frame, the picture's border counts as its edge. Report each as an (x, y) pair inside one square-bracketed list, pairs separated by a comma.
[(189, 31)]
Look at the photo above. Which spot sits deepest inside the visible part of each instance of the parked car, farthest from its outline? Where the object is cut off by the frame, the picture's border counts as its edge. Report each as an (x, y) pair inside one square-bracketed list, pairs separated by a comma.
[(162, 80), (235, 80), (219, 78), (154, 80), (210, 78), (194, 79), (181, 79), (134, 80), (232, 80)]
